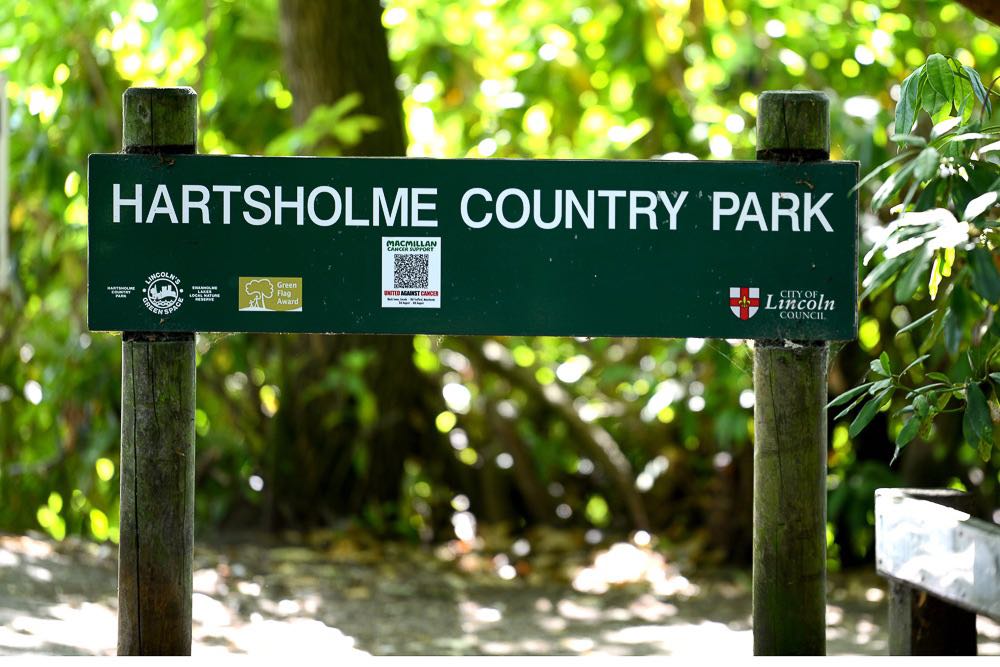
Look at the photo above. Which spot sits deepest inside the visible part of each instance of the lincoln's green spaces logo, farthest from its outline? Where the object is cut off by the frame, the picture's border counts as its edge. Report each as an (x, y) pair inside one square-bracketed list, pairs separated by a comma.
[(162, 294), (258, 293)]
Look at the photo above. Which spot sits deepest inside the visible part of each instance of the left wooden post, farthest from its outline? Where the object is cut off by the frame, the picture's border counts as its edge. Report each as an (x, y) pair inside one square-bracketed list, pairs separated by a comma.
[(157, 444)]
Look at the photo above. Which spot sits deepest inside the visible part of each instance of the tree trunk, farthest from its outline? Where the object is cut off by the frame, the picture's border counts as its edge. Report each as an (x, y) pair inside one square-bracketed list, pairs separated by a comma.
[(332, 49), (336, 463)]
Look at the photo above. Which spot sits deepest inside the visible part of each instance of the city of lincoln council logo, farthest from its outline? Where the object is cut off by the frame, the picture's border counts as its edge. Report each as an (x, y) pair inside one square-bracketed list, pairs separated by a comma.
[(744, 301)]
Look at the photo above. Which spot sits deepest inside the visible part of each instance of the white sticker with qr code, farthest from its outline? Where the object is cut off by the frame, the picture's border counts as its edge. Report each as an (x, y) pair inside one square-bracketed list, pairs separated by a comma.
[(411, 272)]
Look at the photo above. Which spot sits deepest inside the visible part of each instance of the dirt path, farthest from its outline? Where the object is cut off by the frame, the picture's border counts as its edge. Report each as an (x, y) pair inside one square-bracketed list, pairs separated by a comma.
[(343, 596)]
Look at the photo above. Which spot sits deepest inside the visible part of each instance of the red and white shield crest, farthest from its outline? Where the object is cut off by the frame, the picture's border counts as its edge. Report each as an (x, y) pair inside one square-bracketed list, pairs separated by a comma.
[(744, 301)]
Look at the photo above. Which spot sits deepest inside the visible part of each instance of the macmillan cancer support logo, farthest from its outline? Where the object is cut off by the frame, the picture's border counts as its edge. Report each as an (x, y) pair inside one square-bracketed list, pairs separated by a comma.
[(162, 295)]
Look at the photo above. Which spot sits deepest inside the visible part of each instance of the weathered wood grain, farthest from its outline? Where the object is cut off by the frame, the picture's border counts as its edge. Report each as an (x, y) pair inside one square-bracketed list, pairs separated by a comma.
[(157, 444), (789, 503)]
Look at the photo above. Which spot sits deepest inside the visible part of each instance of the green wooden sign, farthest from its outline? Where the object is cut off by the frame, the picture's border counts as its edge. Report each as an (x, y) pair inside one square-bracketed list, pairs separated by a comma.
[(506, 247)]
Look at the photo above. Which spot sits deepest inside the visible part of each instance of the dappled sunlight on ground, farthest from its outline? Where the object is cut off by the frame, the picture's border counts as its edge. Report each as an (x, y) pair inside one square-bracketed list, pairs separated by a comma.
[(352, 596)]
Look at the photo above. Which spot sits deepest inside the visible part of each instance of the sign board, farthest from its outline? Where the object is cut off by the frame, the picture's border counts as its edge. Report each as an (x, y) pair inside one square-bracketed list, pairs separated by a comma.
[(505, 247)]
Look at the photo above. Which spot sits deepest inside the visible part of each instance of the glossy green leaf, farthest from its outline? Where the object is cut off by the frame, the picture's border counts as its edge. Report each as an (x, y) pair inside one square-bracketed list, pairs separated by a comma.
[(912, 277), (906, 108), (916, 362), (985, 277), (927, 163), (978, 88), (916, 323), (868, 413), (908, 432), (849, 395), (976, 423), (940, 76)]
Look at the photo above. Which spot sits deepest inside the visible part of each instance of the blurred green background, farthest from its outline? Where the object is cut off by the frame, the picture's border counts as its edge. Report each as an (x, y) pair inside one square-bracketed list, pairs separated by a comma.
[(420, 437)]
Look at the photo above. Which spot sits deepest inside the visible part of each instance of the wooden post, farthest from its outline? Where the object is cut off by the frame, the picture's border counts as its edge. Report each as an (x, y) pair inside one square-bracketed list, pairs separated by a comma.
[(789, 496), (157, 446), (921, 623)]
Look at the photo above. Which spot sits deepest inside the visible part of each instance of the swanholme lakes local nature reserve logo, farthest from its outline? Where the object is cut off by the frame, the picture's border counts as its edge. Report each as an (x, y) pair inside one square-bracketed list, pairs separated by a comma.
[(788, 304), (271, 294), (162, 295)]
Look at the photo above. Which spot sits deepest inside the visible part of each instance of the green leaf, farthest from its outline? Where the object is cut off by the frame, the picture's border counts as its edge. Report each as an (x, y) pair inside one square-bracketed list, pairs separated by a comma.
[(908, 432), (976, 423), (939, 377), (980, 205), (881, 385), (868, 413), (932, 101), (940, 77), (935, 332), (927, 163), (928, 198), (985, 278), (978, 88), (879, 368), (892, 184), (860, 399), (909, 139), (919, 360), (884, 358), (848, 395), (921, 406), (952, 332), (995, 377), (879, 169), (880, 276), (911, 278), (916, 323), (906, 109)]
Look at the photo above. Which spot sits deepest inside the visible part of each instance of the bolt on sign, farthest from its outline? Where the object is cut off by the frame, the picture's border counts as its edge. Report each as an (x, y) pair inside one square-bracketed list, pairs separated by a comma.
[(507, 247)]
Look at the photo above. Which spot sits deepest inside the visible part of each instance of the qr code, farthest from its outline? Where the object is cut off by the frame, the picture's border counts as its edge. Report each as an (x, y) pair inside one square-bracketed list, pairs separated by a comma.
[(410, 270)]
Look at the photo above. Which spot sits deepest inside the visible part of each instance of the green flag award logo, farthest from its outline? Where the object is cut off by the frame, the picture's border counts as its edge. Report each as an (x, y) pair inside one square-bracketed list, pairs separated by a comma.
[(270, 294)]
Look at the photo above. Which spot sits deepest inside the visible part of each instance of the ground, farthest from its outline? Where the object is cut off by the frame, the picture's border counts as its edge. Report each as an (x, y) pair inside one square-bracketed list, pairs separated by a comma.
[(348, 594)]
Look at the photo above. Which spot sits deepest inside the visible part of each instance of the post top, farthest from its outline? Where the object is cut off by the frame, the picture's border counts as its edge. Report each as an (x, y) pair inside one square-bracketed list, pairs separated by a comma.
[(159, 91), (160, 120), (793, 124), (802, 95)]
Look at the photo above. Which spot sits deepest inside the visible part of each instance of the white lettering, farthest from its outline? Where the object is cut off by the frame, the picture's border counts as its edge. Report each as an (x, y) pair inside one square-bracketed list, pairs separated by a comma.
[(119, 202), (475, 224), (556, 218), (311, 206), (777, 211), (718, 212), (611, 196), (226, 190), (672, 209), (815, 210), (187, 204), (634, 209), (349, 218), (382, 208), (586, 216), (525, 210), (260, 206), (167, 207), (416, 206), (746, 215), (295, 204)]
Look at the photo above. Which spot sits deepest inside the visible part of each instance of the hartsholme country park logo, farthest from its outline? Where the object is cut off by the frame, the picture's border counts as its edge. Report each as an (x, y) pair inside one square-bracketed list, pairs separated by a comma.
[(744, 301), (162, 295)]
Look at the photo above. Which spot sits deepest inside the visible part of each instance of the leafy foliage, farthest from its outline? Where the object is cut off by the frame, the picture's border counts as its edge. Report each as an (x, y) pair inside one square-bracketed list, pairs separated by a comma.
[(943, 245), (525, 79)]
